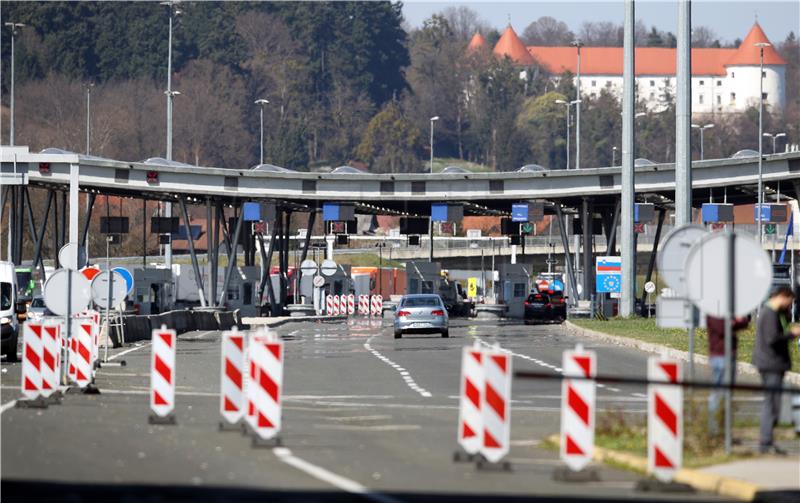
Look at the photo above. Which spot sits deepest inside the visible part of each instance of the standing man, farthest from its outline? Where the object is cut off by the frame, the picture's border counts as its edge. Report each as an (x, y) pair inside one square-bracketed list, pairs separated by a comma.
[(771, 357), (716, 359)]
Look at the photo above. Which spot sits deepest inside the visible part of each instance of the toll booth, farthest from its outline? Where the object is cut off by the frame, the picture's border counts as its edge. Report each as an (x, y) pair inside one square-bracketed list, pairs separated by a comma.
[(152, 290), (514, 285), (423, 277), (242, 288)]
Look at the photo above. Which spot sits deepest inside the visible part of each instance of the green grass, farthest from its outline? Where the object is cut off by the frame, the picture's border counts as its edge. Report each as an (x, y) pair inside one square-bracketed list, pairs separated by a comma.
[(644, 329)]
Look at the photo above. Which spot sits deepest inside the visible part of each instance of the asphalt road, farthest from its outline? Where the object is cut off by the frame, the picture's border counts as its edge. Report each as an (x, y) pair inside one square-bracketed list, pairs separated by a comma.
[(363, 414)]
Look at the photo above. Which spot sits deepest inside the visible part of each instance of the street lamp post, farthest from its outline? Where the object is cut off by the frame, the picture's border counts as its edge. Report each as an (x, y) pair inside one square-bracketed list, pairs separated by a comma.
[(261, 102), (774, 139), (14, 27), (89, 87), (578, 44), (170, 96), (567, 105), (761, 46), (433, 119), (702, 130)]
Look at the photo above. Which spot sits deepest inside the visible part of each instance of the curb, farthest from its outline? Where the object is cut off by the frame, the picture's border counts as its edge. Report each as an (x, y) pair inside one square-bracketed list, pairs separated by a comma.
[(717, 484), (618, 340), (278, 321)]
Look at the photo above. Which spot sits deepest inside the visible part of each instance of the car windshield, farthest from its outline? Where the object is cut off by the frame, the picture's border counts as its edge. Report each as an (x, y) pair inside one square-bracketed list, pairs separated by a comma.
[(421, 302), (5, 296), (37, 302)]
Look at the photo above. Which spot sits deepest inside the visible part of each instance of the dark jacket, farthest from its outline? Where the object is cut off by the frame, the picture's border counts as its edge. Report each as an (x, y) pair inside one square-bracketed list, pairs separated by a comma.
[(716, 334), (771, 353)]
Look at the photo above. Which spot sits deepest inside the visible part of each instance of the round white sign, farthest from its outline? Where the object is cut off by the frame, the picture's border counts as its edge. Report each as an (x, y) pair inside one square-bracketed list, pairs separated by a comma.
[(67, 291), (67, 254), (707, 274), (672, 255), (649, 287), (319, 281), (119, 289), (329, 267), (308, 267)]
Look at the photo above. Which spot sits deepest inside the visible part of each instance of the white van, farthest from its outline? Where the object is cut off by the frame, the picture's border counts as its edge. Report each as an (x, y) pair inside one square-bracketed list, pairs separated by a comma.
[(9, 328)]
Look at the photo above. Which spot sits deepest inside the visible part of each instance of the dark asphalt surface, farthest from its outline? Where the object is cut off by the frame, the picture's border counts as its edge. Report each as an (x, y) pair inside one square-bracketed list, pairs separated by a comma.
[(363, 414)]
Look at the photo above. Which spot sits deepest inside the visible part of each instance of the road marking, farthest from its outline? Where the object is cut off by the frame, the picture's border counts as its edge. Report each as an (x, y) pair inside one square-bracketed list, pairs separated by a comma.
[(378, 427), (7, 406), (199, 336), (131, 350), (410, 382), (378, 417), (319, 473)]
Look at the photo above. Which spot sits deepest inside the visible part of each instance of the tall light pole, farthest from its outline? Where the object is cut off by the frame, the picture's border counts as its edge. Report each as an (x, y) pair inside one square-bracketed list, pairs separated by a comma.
[(702, 130), (89, 87), (14, 28), (433, 119), (628, 196), (170, 96), (261, 102), (761, 46), (578, 44), (774, 139), (568, 104)]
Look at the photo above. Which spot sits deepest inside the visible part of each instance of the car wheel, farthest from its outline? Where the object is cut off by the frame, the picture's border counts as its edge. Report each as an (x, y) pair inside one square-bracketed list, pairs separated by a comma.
[(398, 334), (445, 333)]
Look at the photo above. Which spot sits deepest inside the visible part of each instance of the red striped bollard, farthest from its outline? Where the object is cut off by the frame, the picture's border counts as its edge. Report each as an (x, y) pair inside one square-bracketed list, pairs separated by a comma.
[(496, 407), (343, 305), (578, 408), (51, 356), (80, 352), (351, 304), (664, 418), (232, 401), (329, 305), (376, 305), (266, 386), (363, 305), (162, 376), (31, 381), (470, 420)]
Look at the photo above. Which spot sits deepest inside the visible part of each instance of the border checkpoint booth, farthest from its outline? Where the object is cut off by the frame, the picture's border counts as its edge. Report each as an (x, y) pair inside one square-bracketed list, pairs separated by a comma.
[(514, 287)]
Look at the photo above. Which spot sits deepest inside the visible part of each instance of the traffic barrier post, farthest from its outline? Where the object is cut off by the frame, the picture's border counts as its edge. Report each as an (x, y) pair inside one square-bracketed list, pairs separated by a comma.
[(343, 305), (470, 419), (162, 376), (266, 356), (351, 304), (31, 361), (51, 358), (578, 398), (496, 408), (329, 305), (664, 418), (376, 305), (232, 378), (363, 305), (80, 353)]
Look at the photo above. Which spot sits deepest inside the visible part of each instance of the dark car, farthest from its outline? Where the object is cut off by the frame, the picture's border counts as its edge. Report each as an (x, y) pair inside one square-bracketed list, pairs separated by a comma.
[(545, 306)]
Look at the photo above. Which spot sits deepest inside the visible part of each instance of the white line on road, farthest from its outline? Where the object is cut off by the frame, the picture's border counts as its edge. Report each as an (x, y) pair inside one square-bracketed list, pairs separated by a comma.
[(319, 473), (7, 406), (410, 382), (131, 350)]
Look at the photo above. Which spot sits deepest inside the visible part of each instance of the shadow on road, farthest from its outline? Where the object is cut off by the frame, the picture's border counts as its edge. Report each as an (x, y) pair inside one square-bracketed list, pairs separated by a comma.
[(27, 491)]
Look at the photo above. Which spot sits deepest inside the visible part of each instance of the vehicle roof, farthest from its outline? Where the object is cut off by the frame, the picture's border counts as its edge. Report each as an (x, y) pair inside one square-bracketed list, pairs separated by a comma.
[(420, 295)]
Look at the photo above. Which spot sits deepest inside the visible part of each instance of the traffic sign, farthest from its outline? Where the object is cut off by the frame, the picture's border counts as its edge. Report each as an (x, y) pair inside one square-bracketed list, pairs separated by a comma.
[(119, 289), (319, 281), (308, 267), (67, 291), (67, 253), (672, 255), (649, 287), (770, 229), (328, 267), (608, 271), (472, 287), (707, 270), (126, 275)]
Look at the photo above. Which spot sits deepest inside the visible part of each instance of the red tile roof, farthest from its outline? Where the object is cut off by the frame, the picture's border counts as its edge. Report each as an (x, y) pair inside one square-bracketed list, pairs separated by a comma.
[(478, 43), (512, 47), (649, 60)]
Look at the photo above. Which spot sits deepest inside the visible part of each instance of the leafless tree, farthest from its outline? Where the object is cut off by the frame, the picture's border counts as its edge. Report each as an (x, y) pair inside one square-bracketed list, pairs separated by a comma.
[(548, 31)]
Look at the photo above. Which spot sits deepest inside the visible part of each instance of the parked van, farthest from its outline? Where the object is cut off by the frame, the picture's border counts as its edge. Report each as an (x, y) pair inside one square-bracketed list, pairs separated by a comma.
[(9, 327)]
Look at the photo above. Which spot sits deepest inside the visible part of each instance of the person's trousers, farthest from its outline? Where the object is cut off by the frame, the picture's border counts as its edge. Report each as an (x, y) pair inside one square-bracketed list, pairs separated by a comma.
[(717, 364), (771, 408)]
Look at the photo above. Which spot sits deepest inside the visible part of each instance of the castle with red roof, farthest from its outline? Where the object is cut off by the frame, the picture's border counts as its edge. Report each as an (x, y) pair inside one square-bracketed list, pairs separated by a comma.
[(723, 80)]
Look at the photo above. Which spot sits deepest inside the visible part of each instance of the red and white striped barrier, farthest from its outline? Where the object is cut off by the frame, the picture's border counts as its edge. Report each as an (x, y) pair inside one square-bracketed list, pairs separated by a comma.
[(329, 305), (470, 420), (265, 386), (162, 372), (31, 360), (376, 305), (363, 305), (496, 405), (335, 305), (51, 355), (232, 376), (578, 408), (351, 304), (80, 351), (664, 418), (343, 305)]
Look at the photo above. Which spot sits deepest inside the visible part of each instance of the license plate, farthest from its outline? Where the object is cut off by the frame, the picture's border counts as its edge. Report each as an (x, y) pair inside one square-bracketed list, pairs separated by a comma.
[(420, 325)]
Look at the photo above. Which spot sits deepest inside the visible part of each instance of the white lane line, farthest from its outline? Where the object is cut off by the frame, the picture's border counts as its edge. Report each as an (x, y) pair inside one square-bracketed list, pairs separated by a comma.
[(410, 382), (131, 350), (380, 427), (198, 336), (7, 406), (337, 481)]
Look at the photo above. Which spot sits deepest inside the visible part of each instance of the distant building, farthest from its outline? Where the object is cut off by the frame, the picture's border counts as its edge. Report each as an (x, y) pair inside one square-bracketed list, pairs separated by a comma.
[(723, 80)]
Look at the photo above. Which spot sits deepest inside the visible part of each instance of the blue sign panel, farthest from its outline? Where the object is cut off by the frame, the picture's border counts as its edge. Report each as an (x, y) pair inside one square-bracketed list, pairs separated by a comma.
[(330, 212), (126, 274), (439, 213), (251, 212), (716, 213), (609, 283), (519, 212)]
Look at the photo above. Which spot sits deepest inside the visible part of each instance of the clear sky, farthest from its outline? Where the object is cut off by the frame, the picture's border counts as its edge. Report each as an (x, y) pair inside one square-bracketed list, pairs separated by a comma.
[(730, 19)]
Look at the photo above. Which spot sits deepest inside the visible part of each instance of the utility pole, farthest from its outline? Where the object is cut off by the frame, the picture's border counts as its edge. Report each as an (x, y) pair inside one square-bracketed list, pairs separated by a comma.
[(628, 183), (761, 46), (433, 119), (170, 96), (14, 27), (683, 117), (261, 104), (578, 44)]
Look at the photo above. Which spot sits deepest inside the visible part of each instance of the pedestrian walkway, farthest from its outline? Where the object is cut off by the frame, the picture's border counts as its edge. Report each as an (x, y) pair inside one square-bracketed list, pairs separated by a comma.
[(770, 473)]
